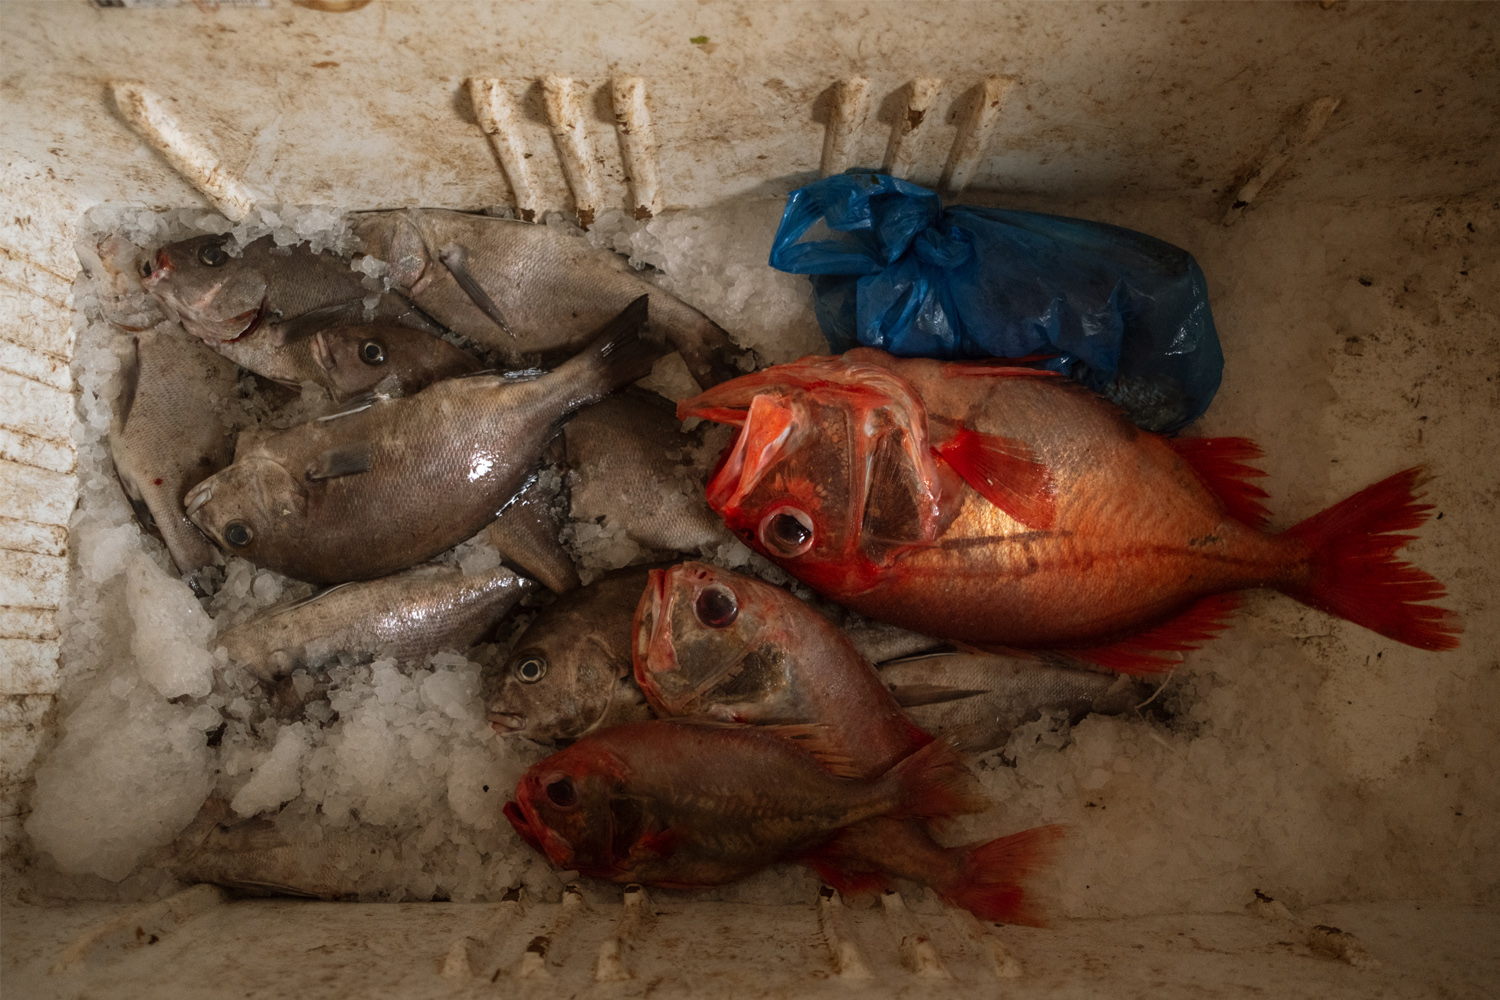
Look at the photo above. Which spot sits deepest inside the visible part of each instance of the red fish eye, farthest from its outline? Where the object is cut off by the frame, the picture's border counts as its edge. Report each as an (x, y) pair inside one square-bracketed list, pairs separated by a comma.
[(787, 531), (716, 607), (562, 793)]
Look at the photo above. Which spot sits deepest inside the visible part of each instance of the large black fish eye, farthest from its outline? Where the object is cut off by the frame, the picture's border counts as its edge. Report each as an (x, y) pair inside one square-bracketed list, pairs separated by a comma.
[(212, 255), (238, 534), (562, 793), (716, 607), (787, 532), (531, 670), (372, 352)]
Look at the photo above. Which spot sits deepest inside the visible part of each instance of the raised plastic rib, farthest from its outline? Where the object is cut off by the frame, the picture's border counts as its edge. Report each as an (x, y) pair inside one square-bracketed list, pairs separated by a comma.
[(140, 926), (1002, 961), (974, 133), (534, 959), (637, 144), (845, 118), (459, 963), (918, 953), (148, 115), (1309, 123), (610, 966), (901, 152), (833, 919), (498, 117), (564, 101)]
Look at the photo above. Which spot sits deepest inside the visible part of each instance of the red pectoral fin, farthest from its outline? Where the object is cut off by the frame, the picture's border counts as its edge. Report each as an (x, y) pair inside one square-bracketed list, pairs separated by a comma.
[(1006, 473)]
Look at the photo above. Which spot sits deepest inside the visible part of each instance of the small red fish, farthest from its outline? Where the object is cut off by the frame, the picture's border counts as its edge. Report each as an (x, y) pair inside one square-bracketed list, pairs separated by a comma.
[(714, 644), (689, 805), (1008, 508)]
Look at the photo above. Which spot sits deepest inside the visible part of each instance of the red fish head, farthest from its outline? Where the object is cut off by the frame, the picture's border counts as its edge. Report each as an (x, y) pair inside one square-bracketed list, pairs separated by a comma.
[(831, 474), (698, 626), (562, 807)]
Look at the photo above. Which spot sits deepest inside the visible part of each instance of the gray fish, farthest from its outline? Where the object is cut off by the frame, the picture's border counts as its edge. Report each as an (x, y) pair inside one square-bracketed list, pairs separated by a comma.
[(352, 360), (269, 293), (390, 483), (978, 699), (116, 267), (521, 289), (170, 431), (879, 642), (255, 857), (570, 672), (526, 535), (633, 462), (407, 616)]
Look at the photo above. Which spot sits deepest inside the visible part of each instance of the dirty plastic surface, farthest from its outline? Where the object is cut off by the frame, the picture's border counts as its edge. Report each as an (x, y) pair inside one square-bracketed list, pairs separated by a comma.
[(1124, 313)]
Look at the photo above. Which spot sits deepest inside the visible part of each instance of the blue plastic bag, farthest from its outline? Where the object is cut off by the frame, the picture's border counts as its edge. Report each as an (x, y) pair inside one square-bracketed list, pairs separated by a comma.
[(1124, 313)]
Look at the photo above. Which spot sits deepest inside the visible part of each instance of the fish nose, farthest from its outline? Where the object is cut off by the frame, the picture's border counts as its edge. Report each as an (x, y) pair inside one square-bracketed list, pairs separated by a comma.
[(161, 265)]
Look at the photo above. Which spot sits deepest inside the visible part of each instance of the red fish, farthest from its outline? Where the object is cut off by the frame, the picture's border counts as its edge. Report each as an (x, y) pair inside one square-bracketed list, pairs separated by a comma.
[(714, 644), (689, 805), (1008, 508)]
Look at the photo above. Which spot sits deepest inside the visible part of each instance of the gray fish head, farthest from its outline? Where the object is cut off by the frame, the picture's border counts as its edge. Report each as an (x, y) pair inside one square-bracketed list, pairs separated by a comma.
[(251, 509), (559, 682), (357, 359), (707, 636), (216, 295), (116, 267)]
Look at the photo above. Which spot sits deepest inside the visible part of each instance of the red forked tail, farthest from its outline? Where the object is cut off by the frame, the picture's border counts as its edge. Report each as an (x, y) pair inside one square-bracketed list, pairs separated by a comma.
[(993, 884), (1355, 572)]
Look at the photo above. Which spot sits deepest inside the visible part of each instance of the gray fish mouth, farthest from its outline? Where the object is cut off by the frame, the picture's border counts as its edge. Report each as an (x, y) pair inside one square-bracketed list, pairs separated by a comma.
[(506, 723)]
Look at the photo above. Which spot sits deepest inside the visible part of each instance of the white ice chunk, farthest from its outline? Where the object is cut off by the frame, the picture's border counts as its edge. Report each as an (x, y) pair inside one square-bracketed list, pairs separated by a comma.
[(170, 642), (278, 778)]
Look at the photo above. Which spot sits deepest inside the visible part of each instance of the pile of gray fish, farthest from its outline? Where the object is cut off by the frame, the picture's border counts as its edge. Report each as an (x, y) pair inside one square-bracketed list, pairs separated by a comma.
[(486, 352)]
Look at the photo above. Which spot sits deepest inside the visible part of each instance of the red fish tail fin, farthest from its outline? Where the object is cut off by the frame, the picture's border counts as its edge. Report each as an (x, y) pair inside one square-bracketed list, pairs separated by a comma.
[(1355, 573), (1222, 465), (993, 885), (934, 784)]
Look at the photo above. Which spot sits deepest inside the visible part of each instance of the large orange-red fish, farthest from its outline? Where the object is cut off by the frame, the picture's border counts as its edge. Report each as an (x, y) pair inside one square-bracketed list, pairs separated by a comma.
[(1005, 507)]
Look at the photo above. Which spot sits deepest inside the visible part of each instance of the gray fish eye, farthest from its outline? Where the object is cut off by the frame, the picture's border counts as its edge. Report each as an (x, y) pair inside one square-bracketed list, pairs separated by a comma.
[(531, 670), (212, 255), (238, 534), (372, 352), (716, 607)]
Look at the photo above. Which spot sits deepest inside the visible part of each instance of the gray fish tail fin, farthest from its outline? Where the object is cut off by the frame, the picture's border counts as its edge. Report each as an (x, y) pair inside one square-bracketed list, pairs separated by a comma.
[(618, 356)]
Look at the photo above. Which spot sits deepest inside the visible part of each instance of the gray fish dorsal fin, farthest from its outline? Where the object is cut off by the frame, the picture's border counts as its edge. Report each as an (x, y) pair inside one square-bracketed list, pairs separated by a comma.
[(342, 460), (456, 259), (913, 695)]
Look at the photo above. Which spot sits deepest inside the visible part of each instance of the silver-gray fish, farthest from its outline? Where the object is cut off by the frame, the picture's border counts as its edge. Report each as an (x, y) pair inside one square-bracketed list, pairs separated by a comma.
[(351, 360), (390, 483), (570, 671), (170, 430), (978, 699), (269, 293), (406, 616), (521, 289)]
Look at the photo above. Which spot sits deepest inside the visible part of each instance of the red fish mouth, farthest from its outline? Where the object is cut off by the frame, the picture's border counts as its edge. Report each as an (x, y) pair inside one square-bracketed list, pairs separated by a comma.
[(529, 825), (651, 649)]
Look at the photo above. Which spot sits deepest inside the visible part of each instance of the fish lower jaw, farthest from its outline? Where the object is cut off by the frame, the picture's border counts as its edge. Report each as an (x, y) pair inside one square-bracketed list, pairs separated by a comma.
[(506, 723)]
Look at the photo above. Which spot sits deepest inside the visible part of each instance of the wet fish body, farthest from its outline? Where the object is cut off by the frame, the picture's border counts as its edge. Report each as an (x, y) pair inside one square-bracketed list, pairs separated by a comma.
[(169, 430), (976, 700), (523, 290), (689, 805), (406, 616), (390, 483), (1005, 507), (570, 674)]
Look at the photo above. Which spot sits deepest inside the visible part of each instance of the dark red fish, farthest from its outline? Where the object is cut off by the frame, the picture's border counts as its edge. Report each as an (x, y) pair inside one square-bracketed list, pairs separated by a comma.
[(714, 644), (1006, 508), (688, 805)]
